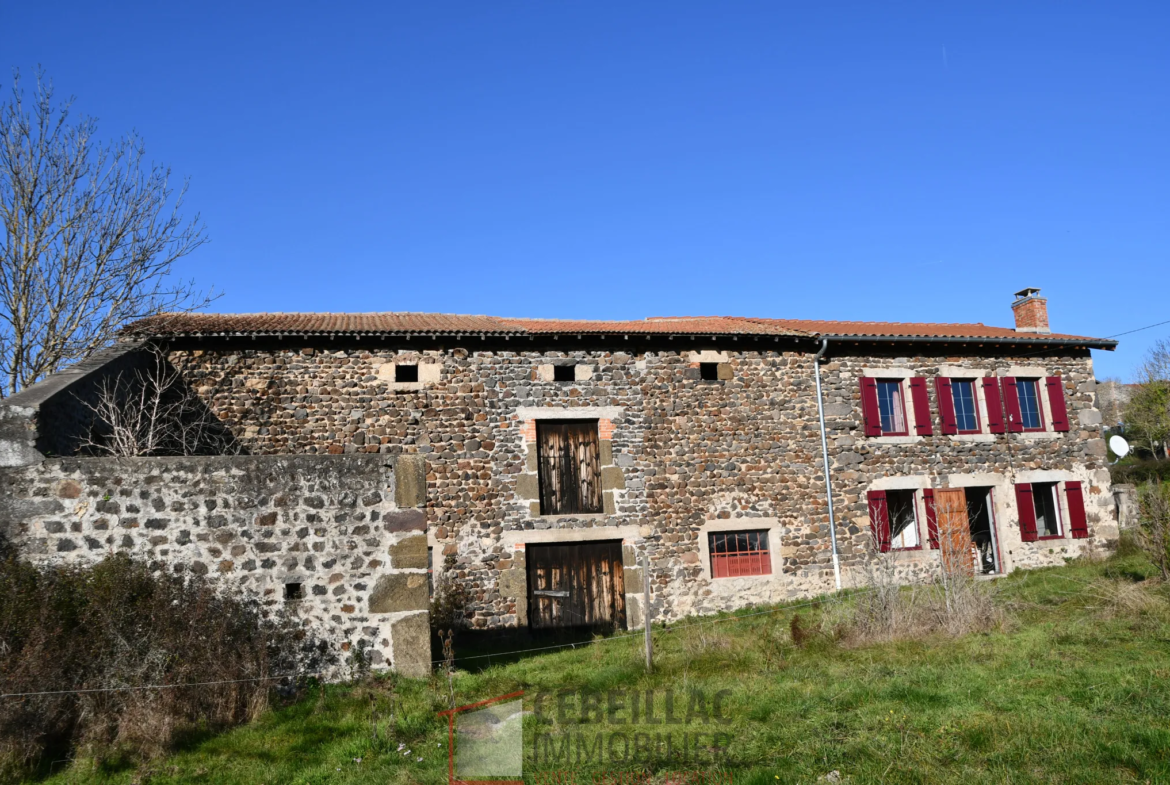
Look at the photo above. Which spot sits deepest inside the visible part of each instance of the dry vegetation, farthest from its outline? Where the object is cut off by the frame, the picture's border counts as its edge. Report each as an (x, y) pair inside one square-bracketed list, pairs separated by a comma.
[(65, 630)]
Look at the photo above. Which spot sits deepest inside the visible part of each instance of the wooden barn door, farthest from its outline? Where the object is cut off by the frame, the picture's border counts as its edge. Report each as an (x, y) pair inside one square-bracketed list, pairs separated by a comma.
[(576, 585), (954, 531), (570, 467)]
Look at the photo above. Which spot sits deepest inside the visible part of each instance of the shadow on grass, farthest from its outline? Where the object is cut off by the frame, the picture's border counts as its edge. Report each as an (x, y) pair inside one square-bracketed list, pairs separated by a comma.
[(476, 650)]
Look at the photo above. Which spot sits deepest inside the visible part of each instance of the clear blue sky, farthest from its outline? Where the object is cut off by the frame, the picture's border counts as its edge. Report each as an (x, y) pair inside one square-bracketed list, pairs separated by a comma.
[(901, 162)]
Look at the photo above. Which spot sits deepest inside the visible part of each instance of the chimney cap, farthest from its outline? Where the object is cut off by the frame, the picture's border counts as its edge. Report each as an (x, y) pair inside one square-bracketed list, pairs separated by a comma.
[(1026, 292)]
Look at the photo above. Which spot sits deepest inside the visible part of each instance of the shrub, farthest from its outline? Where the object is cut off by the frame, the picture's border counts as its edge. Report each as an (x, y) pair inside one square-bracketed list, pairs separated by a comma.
[(119, 624), (1153, 533), (1139, 472), (449, 603)]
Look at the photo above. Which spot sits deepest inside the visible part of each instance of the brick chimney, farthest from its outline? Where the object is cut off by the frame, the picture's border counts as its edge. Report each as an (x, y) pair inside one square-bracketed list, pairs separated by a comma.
[(1031, 311)]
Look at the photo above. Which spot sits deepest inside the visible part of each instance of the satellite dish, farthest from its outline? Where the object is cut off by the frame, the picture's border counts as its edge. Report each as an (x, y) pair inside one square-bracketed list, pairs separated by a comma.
[(1119, 446)]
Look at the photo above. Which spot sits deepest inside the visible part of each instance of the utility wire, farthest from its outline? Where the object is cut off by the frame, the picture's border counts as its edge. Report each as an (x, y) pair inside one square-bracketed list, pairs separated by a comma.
[(152, 686), (1052, 349), (638, 634), (1138, 330)]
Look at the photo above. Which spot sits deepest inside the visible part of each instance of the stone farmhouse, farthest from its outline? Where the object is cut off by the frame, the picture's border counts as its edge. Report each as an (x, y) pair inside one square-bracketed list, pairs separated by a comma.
[(544, 464)]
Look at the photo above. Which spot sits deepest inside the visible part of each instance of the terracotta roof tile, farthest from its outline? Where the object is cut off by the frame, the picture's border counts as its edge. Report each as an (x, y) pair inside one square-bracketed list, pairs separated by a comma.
[(915, 329), (311, 323), (405, 323), (673, 325)]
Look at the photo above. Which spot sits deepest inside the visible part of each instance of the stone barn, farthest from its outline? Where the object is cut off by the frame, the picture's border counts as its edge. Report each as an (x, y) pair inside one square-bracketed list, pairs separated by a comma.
[(543, 464)]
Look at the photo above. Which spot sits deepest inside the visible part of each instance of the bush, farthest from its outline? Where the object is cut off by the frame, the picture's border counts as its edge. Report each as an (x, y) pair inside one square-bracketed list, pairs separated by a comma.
[(1153, 532), (1138, 472), (118, 624), (449, 603)]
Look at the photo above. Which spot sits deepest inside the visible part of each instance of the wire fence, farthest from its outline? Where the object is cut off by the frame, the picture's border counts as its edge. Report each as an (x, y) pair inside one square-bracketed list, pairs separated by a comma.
[(579, 644)]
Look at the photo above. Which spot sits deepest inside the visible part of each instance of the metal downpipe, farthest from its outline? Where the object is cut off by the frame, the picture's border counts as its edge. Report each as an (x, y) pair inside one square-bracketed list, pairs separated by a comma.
[(825, 456)]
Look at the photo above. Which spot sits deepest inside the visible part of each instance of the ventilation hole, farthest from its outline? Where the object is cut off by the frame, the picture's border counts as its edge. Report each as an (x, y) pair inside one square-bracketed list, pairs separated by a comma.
[(294, 591), (564, 373), (709, 372), (406, 373)]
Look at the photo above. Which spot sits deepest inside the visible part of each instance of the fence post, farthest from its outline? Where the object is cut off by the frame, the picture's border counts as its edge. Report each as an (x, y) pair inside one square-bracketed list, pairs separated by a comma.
[(646, 609)]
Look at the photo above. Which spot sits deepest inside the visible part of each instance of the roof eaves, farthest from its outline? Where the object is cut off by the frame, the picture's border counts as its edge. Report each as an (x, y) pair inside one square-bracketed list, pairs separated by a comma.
[(1028, 339)]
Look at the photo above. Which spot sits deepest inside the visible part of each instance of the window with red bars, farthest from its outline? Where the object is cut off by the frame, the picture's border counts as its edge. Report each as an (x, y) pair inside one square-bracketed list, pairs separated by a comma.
[(735, 554)]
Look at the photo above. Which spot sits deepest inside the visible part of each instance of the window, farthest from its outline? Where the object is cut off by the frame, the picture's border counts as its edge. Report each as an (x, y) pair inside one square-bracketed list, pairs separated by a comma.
[(891, 408), (406, 373), (294, 592), (709, 372), (966, 410), (893, 520), (1029, 394), (1047, 509), (735, 554), (903, 519), (569, 467), (564, 373)]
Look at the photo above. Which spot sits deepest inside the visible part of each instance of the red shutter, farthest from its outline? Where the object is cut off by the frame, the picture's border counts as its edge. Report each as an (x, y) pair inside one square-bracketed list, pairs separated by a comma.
[(1027, 511), (931, 517), (879, 519), (921, 399), (946, 404), (869, 406), (1056, 403), (1076, 510), (994, 408), (1011, 405)]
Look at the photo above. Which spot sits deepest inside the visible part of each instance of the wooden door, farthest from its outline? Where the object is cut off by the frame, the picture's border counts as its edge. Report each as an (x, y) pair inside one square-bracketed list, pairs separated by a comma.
[(569, 467), (576, 585), (954, 530)]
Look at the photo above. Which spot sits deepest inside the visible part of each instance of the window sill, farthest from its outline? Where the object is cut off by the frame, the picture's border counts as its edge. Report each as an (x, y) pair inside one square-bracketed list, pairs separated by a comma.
[(579, 516), (1038, 436), (894, 439), (723, 578), (1050, 537), (984, 438)]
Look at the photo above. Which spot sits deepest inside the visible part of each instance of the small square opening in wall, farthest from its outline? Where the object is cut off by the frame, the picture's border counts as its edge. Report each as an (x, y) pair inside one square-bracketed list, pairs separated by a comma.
[(564, 373), (709, 372), (294, 591), (406, 373)]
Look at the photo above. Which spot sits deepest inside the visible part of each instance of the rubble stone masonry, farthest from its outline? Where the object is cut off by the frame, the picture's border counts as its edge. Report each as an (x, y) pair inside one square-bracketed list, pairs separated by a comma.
[(681, 456), (341, 533)]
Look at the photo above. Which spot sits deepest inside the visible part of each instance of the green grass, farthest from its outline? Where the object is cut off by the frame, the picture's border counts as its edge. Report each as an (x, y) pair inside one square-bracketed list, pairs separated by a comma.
[(1072, 690)]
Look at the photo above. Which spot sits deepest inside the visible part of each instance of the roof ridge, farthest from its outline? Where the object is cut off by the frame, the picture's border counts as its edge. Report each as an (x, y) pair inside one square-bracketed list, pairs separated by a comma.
[(428, 322), (864, 321)]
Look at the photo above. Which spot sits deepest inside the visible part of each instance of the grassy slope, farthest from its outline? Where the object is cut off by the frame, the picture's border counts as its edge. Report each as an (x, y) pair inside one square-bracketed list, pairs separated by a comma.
[(1069, 692)]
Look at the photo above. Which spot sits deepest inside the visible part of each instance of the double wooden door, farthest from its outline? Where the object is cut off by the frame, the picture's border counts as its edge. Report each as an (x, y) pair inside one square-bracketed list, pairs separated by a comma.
[(576, 585)]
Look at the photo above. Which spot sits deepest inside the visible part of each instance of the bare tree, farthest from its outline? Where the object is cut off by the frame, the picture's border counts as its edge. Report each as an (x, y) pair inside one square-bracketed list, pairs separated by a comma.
[(152, 411), (90, 234), (1153, 532), (1156, 364), (1147, 413), (884, 610)]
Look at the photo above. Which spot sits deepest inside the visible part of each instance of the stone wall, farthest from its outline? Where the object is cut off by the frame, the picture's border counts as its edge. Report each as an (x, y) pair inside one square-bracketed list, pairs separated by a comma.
[(861, 463), (346, 528), (682, 456)]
